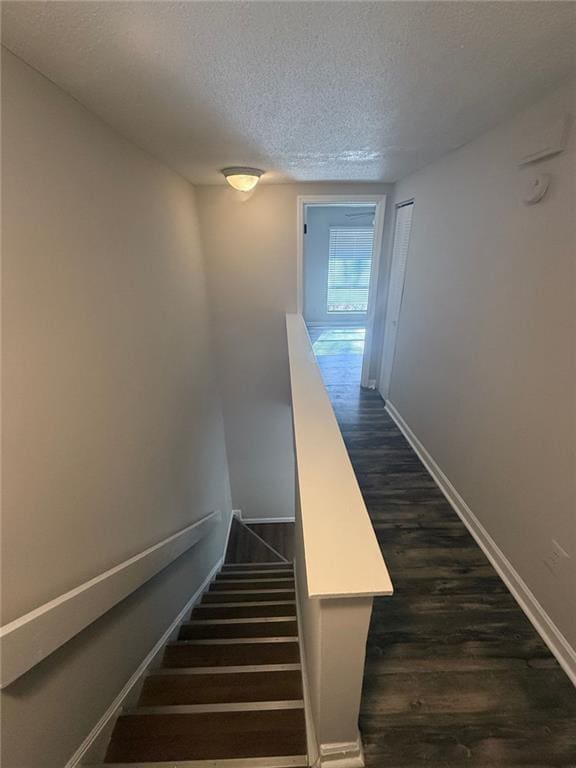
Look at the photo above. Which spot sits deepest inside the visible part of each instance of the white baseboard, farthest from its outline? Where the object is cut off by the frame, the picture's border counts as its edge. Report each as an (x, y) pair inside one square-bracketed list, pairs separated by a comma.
[(227, 538), (543, 624), (342, 755), (313, 747), (257, 520), (94, 745)]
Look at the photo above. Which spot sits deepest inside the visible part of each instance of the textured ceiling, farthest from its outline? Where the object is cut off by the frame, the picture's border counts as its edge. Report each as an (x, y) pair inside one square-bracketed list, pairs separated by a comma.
[(306, 90)]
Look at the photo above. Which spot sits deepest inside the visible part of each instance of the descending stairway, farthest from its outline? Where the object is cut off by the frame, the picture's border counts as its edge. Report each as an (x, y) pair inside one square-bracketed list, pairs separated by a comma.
[(229, 691)]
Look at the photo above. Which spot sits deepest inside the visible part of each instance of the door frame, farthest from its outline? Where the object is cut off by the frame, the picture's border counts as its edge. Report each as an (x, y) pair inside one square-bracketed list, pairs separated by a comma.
[(344, 200), (384, 386)]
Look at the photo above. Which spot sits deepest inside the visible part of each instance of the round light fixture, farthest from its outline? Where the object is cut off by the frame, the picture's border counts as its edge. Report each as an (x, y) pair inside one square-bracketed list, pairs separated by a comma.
[(242, 179)]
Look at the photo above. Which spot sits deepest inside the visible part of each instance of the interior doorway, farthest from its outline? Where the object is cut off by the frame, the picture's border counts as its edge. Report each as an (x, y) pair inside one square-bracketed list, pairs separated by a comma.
[(339, 246)]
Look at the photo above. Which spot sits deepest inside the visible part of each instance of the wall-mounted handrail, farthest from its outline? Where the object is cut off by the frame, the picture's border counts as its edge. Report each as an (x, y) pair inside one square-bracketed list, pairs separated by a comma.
[(27, 640), (343, 558)]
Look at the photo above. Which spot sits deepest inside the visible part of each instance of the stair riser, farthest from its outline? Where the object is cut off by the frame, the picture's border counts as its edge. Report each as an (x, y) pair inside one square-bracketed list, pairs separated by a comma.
[(249, 597), (238, 575), (270, 629), (214, 735), (230, 655), (242, 612), (212, 689), (229, 584), (252, 566)]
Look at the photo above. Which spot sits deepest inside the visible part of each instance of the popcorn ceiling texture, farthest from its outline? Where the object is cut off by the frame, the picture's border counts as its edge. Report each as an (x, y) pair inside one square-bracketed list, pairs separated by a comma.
[(307, 90)]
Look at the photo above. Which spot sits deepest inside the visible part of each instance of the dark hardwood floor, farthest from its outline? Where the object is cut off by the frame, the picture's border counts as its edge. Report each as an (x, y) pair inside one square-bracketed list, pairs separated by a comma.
[(456, 676)]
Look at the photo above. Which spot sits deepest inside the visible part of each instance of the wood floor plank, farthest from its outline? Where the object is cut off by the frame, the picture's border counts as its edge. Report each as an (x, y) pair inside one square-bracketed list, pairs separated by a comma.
[(455, 674)]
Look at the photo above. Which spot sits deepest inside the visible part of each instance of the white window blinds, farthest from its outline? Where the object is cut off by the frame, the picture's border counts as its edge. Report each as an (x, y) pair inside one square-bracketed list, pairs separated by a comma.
[(349, 266)]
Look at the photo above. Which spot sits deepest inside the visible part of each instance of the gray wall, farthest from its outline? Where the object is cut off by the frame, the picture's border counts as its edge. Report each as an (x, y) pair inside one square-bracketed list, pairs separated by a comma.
[(250, 246), (484, 368), (113, 433), (315, 268)]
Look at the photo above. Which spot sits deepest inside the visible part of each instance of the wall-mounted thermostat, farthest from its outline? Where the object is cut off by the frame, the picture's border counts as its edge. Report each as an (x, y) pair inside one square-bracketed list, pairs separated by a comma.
[(536, 188)]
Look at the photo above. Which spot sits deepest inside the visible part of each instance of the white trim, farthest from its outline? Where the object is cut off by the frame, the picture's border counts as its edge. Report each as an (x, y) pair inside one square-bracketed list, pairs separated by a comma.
[(391, 325), (231, 670), (108, 718), (277, 573), (27, 640), (242, 604), (248, 620), (262, 520), (228, 531), (543, 624), (312, 745), (336, 324), (373, 290), (348, 754), (191, 709), (237, 641), (291, 761), (256, 578), (379, 201)]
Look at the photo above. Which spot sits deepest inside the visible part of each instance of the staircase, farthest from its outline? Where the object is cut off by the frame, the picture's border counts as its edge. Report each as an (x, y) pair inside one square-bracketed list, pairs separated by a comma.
[(229, 691)]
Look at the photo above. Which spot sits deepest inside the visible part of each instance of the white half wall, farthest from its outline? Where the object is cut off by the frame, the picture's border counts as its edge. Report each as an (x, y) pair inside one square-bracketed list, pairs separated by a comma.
[(113, 431), (251, 257), (484, 371)]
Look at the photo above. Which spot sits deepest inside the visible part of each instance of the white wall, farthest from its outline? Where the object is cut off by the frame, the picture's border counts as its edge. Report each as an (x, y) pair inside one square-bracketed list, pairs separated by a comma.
[(319, 219), (484, 371), (113, 433), (250, 246)]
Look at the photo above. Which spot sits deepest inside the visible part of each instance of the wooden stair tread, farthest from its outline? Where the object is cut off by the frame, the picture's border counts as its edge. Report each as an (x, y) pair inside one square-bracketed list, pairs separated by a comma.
[(260, 629), (284, 761), (240, 584), (229, 692), (270, 573), (183, 655), (247, 566), (208, 736), (241, 611), (211, 689), (236, 596)]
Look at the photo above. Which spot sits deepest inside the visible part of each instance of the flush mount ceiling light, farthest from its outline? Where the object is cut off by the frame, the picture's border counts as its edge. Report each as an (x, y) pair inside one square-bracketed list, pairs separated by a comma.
[(242, 179)]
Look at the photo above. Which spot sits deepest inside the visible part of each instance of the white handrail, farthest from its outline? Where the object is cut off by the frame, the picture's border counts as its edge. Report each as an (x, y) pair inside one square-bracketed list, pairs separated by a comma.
[(27, 640), (343, 558)]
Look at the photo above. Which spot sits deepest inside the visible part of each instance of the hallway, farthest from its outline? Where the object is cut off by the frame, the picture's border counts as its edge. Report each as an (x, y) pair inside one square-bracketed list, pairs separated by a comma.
[(455, 673)]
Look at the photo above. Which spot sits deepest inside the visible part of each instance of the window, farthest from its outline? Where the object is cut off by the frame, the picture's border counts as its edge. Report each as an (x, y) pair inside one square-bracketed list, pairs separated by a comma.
[(349, 265)]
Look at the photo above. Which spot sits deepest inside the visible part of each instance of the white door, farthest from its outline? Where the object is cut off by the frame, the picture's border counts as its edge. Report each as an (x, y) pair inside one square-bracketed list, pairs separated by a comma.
[(400, 247)]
